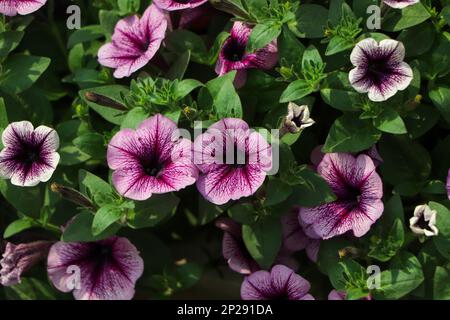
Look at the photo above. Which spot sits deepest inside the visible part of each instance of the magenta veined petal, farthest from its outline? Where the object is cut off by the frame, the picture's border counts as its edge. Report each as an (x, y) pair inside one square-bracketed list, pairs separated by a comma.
[(280, 283), (234, 56), (379, 68), (134, 43), (151, 159), (173, 5), (102, 270), (29, 155), (358, 189), (21, 7), (400, 4), (232, 159)]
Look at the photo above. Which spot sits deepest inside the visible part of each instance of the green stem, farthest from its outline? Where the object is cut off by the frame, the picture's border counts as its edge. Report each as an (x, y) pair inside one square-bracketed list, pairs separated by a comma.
[(50, 227)]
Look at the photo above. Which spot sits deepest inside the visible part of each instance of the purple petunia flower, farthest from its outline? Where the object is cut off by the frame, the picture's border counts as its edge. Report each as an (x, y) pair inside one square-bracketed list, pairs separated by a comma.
[(152, 159), (17, 259), (234, 56), (102, 270), (297, 235), (134, 42), (29, 156), (280, 283), (172, 5), (358, 189), (380, 69), (400, 4), (233, 161), (22, 7), (233, 247)]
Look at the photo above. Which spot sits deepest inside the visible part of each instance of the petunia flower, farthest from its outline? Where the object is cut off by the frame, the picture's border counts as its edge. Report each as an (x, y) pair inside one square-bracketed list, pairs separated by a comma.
[(297, 235), (237, 255), (232, 159), (22, 7), (234, 56), (424, 221), (317, 155), (102, 270), (400, 4), (29, 156), (297, 119), (358, 189), (172, 5), (134, 42), (17, 259), (151, 159), (379, 68), (280, 283)]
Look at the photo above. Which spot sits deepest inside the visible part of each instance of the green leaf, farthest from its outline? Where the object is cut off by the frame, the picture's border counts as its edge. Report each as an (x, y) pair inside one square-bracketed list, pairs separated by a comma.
[(9, 40), (95, 188), (80, 229), (128, 6), (179, 67), (244, 213), (262, 35), (263, 241), (21, 71), (181, 41), (290, 48), (349, 276), (312, 20), (442, 240), (390, 121), (185, 87), (85, 34), (30, 289), (154, 211), (226, 100), (18, 226), (134, 118), (387, 247), (296, 90), (71, 155), (441, 284), (92, 144), (15, 196), (404, 275), (314, 190), (105, 217), (351, 134), (338, 44), (113, 92), (277, 191), (340, 99), (421, 120), (441, 100), (397, 20), (417, 40)]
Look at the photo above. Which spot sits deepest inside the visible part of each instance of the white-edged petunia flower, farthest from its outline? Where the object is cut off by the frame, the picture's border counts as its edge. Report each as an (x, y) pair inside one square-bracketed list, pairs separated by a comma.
[(424, 221), (298, 118), (379, 68), (29, 155), (400, 4)]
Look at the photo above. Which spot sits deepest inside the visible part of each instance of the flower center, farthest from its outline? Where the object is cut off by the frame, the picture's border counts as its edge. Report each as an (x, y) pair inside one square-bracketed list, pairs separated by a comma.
[(29, 154), (152, 167), (234, 50), (422, 224), (298, 120), (352, 195), (378, 69)]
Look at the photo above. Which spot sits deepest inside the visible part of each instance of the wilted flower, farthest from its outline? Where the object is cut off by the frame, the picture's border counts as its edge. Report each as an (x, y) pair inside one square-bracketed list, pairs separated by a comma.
[(298, 236), (232, 159), (20, 258), (400, 4), (358, 189), (152, 159), (172, 5), (102, 270), (280, 283), (380, 69), (22, 7), (234, 55), (134, 42), (424, 221), (297, 118), (29, 156), (233, 247)]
